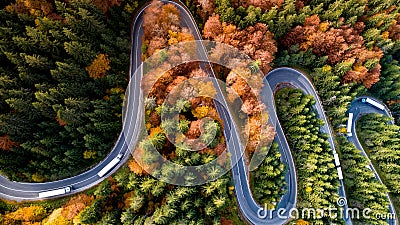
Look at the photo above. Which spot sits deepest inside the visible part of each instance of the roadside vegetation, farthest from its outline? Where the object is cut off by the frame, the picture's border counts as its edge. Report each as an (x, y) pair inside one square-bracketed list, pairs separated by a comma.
[(268, 180), (318, 182), (127, 198), (363, 189), (381, 142)]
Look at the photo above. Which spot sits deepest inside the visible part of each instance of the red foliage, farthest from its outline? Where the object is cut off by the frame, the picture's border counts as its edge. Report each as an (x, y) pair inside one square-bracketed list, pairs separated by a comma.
[(263, 4), (194, 129), (225, 221), (213, 27), (256, 41), (136, 168), (105, 5), (154, 119), (339, 44), (394, 31)]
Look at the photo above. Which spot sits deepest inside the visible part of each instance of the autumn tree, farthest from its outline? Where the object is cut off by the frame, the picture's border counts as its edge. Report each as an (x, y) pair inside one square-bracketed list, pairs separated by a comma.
[(75, 205), (99, 67), (344, 44), (256, 41), (6, 143)]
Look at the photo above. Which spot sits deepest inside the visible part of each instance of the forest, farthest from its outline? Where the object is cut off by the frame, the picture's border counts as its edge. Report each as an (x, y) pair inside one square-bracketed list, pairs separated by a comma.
[(65, 68), (316, 173), (381, 141), (362, 188)]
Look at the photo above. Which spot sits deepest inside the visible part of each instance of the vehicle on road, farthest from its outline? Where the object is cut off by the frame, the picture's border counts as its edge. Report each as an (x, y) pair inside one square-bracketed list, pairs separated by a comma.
[(373, 103), (55, 192), (340, 173), (110, 165), (349, 125), (337, 162)]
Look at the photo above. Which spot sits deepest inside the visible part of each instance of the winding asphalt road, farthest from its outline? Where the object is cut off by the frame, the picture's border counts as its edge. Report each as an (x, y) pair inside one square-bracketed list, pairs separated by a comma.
[(359, 108)]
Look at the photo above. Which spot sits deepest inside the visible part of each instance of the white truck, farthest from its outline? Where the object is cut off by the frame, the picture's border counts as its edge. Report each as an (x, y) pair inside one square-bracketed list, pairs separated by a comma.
[(110, 165), (55, 192), (373, 103), (337, 161), (349, 124), (340, 174)]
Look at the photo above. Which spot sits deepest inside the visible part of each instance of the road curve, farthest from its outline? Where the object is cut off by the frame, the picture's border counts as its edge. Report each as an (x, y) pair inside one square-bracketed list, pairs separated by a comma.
[(359, 109), (133, 119)]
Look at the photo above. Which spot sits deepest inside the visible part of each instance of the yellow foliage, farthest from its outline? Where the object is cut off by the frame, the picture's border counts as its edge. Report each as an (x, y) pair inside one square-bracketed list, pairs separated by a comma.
[(359, 68), (172, 34), (264, 116), (342, 130), (200, 111), (379, 23), (56, 218), (172, 41), (89, 154), (31, 214), (228, 29), (155, 131), (99, 66), (117, 90), (326, 68), (309, 189), (305, 45), (38, 177), (385, 35)]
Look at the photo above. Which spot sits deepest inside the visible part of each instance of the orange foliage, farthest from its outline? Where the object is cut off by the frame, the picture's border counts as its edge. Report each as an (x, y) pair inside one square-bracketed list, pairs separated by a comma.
[(263, 4), (302, 222), (201, 111), (339, 44), (33, 7), (160, 23), (256, 41), (75, 205), (6, 143), (60, 121), (99, 66)]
